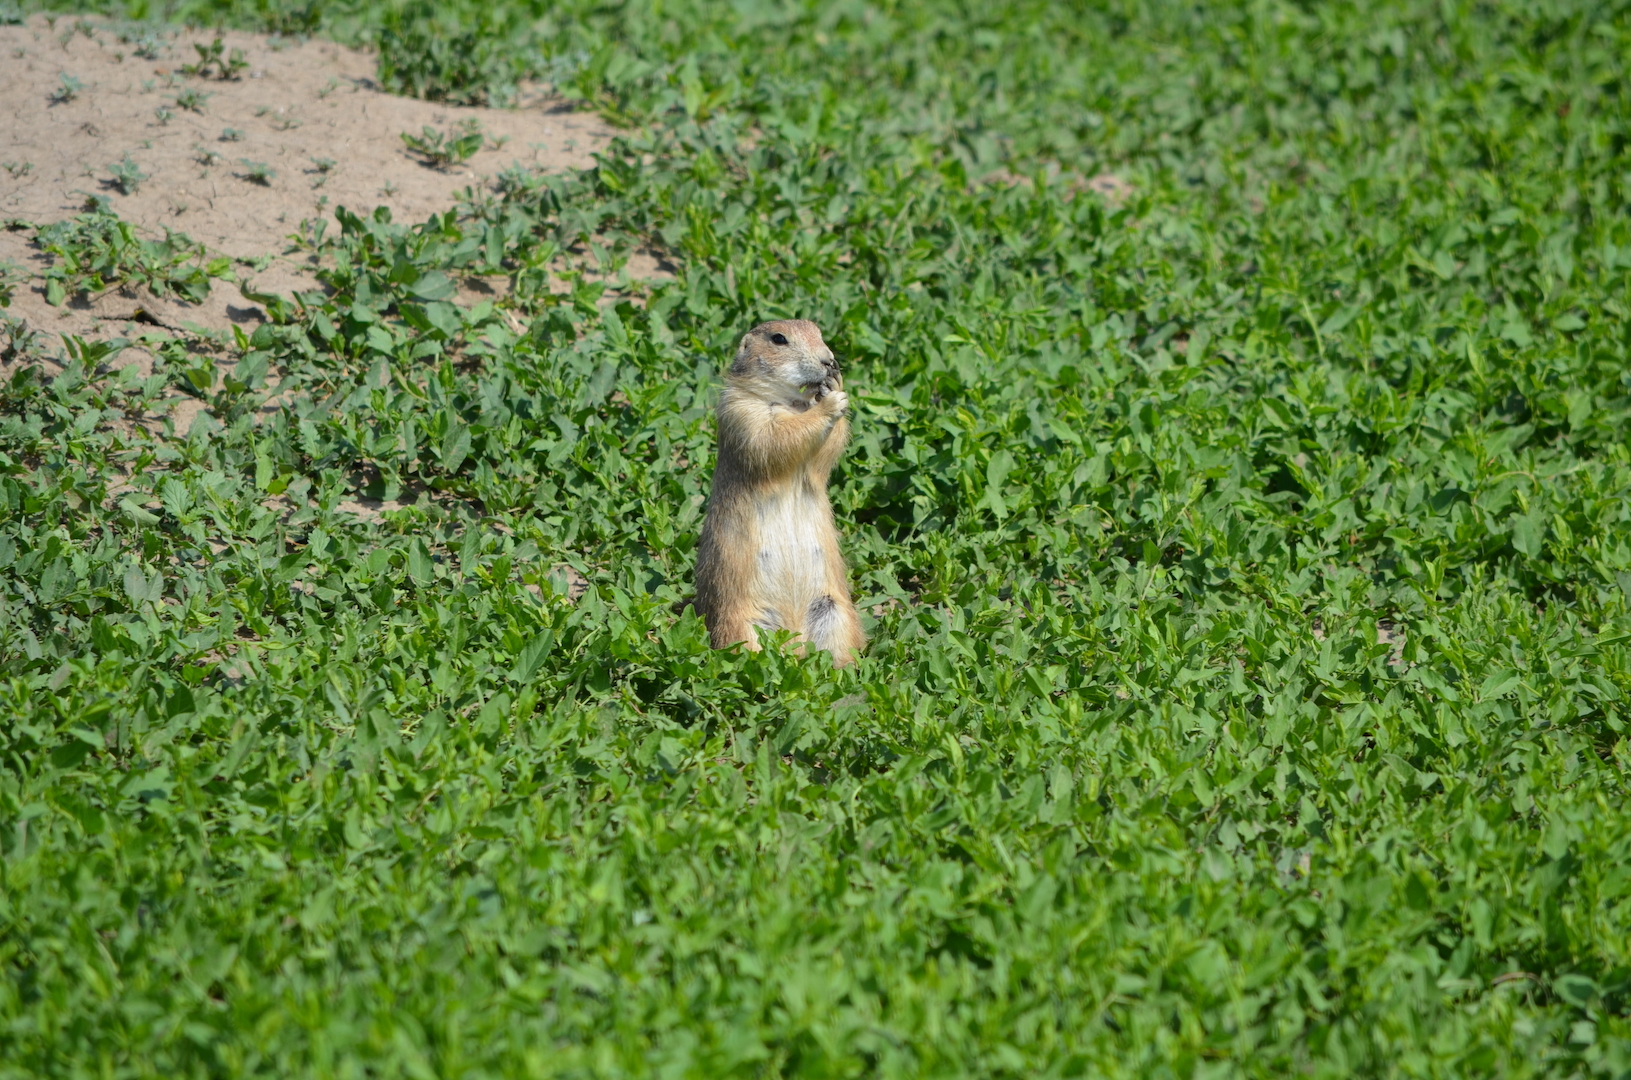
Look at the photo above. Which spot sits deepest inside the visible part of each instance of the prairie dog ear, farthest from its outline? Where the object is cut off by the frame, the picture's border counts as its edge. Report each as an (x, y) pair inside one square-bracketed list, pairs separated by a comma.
[(745, 356)]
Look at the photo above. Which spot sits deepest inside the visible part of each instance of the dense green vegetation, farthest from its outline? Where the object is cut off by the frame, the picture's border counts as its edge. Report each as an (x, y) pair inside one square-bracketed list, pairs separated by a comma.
[(1126, 783)]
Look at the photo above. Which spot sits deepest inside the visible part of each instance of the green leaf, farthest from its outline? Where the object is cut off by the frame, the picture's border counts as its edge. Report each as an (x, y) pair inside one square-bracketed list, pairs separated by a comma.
[(1577, 990), (455, 446), (1498, 684), (420, 565), (1529, 534), (532, 657), (997, 469), (433, 285)]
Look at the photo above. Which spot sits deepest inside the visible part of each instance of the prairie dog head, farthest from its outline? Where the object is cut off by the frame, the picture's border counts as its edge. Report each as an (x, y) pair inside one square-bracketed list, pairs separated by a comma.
[(785, 361)]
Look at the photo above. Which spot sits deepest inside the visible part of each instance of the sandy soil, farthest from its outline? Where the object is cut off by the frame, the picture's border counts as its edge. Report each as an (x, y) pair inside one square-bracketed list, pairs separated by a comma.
[(295, 107)]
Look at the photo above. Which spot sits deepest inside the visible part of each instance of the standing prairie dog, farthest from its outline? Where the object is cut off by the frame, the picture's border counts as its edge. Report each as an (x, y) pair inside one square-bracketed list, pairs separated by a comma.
[(768, 556)]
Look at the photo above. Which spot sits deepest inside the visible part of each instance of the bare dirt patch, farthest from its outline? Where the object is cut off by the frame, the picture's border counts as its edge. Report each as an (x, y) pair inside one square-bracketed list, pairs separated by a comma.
[(234, 163)]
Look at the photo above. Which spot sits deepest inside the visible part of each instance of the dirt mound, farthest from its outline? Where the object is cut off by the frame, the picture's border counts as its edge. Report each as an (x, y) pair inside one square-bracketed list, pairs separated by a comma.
[(232, 145)]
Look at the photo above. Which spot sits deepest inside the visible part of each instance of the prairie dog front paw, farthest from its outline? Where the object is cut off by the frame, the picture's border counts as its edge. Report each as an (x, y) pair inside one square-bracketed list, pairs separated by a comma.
[(835, 402)]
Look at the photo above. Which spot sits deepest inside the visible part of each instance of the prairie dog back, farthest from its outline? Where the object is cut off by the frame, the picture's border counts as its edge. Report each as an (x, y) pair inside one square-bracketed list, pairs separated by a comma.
[(768, 556)]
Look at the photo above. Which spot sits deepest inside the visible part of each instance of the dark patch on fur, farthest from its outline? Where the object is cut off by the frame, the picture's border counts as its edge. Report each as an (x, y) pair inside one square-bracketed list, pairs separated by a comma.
[(820, 610)]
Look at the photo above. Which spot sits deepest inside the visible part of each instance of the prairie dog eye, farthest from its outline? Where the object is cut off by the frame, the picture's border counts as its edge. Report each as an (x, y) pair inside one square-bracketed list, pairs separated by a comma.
[(778, 339)]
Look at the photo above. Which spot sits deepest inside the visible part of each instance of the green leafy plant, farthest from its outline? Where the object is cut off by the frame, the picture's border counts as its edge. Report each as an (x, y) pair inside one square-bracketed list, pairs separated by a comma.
[(324, 168), (1235, 498), (231, 134), (257, 172), (99, 251), (465, 55), (68, 89), (17, 169), (147, 44), (441, 149), (214, 59), (127, 176), (191, 99), (11, 276)]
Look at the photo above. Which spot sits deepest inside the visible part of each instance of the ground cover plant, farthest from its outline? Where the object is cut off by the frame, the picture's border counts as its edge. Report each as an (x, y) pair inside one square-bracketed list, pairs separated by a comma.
[(1246, 551)]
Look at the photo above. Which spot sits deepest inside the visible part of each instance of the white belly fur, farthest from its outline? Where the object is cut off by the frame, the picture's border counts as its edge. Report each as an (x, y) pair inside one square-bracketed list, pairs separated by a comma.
[(792, 569)]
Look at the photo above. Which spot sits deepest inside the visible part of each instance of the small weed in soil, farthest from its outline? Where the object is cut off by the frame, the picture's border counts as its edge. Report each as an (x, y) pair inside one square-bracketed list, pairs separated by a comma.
[(257, 172), (18, 342), (17, 169), (127, 177), (441, 149), (231, 135), (323, 167), (11, 276), (67, 90), (192, 99), (213, 60), (205, 156), (164, 114), (517, 180), (98, 251), (147, 46)]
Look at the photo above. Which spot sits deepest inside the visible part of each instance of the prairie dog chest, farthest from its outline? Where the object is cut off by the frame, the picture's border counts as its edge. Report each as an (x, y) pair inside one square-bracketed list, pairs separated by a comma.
[(790, 535)]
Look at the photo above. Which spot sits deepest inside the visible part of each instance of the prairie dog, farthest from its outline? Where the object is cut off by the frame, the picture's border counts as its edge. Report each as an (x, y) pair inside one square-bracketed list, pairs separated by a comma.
[(768, 556)]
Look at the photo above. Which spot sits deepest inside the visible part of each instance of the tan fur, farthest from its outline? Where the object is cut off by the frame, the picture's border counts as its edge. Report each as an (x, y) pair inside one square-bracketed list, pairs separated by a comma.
[(768, 556)]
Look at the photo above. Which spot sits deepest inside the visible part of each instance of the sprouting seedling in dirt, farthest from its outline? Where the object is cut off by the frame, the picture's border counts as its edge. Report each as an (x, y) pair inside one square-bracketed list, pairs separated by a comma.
[(257, 172), (149, 46), (441, 149), (206, 156), (17, 169), (498, 142), (231, 135), (127, 177), (11, 276), (515, 180), (163, 114), (67, 90), (328, 88), (21, 341), (213, 57), (323, 167), (280, 118), (192, 99)]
